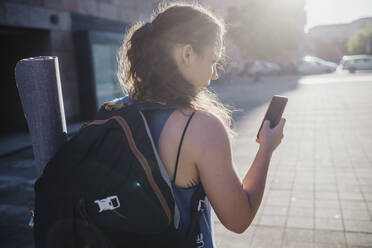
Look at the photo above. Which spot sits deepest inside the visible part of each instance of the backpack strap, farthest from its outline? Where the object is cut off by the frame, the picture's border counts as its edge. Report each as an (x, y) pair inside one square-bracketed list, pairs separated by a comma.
[(197, 208), (197, 205), (180, 145)]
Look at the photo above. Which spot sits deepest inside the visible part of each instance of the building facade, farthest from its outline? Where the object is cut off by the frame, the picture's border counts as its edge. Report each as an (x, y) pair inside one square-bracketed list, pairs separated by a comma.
[(330, 41), (84, 34)]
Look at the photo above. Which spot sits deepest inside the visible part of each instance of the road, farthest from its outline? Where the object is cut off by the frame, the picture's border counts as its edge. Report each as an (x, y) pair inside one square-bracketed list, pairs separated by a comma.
[(319, 187)]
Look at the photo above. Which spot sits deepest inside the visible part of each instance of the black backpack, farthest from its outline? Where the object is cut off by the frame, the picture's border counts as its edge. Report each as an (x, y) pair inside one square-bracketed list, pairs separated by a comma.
[(106, 188)]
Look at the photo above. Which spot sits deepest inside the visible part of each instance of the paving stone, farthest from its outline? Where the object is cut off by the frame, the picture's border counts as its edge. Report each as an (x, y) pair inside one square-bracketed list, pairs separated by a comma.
[(368, 195), (275, 210), (303, 187), (329, 224), (369, 205), (353, 214), (358, 226), (353, 204), (300, 222), (301, 203), (277, 201), (295, 244), (359, 239), (298, 235), (267, 237), (351, 196), (303, 195), (326, 195), (285, 194), (327, 212), (226, 238), (325, 179), (306, 179), (281, 186), (326, 188), (272, 220), (330, 237), (322, 203), (316, 245), (301, 212)]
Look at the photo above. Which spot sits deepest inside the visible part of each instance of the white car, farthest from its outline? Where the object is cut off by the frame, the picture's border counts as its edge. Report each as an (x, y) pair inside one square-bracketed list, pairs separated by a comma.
[(356, 62), (263, 67), (274, 68), (315, 65)]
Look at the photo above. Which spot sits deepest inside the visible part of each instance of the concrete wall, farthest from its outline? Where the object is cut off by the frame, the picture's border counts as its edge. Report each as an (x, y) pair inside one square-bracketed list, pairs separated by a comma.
[(54, 16)]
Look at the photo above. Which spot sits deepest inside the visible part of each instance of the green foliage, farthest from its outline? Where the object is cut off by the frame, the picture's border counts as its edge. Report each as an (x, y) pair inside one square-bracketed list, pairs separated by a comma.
[(265, 29), (356, 44)]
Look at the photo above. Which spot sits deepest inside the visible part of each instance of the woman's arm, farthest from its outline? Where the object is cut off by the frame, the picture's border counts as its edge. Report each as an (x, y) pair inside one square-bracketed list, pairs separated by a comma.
[(235, 203), (255, 180)]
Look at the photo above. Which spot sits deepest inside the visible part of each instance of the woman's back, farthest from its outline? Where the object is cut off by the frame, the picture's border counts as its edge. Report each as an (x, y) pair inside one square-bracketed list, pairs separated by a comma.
[(187, 174), (183, 194)]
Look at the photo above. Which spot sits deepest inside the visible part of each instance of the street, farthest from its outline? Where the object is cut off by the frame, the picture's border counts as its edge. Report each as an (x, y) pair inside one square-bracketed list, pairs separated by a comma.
[(319, 187)]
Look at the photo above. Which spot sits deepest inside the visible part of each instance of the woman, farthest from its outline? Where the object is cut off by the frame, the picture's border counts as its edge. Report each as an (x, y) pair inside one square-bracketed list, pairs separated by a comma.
[(171, 60)]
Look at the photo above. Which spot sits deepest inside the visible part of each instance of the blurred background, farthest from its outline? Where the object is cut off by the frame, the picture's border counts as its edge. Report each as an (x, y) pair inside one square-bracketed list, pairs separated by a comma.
[(316, 52), (264, 37)]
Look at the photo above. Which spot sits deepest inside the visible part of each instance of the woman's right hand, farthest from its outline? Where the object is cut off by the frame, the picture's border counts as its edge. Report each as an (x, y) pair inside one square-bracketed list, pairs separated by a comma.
[(270, 138)]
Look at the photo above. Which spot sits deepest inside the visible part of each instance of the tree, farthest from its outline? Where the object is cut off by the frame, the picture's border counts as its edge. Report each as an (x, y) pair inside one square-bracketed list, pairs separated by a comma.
[(360, 42), (265, 29)]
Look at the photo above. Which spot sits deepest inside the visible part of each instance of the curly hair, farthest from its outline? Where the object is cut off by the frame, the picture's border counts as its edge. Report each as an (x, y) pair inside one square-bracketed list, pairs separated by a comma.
[(148, 72)]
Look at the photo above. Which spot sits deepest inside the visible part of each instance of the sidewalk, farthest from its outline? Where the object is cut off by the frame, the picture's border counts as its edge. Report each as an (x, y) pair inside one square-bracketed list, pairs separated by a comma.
[(17, 178), (319, 187)]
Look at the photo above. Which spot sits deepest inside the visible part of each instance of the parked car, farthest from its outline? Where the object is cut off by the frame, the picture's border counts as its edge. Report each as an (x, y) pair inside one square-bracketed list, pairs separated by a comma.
[(264, 68), (315, 65), (273, 68), (356, 62)]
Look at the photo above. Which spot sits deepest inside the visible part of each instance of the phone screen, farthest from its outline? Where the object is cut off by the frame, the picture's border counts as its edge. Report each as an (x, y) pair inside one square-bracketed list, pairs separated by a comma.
[(275, 111)]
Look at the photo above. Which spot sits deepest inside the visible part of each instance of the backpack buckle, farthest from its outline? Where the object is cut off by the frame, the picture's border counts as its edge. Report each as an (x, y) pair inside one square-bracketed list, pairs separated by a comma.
[(199, 240), (108, 203), (31, 208), (31, 222), (201, 205)]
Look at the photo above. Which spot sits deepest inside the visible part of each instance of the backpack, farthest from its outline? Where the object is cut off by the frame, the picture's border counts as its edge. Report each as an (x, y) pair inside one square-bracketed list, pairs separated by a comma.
[(106, 187)]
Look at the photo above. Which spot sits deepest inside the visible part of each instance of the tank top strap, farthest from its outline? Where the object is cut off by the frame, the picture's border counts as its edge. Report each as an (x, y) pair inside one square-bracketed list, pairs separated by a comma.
[(180, 145)]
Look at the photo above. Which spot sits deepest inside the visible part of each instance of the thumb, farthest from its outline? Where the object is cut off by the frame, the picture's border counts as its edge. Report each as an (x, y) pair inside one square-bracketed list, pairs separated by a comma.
[(266, 124), (281, 124)]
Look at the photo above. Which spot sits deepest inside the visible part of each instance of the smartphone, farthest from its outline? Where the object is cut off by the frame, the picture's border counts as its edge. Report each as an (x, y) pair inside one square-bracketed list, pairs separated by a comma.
[(275, 111)]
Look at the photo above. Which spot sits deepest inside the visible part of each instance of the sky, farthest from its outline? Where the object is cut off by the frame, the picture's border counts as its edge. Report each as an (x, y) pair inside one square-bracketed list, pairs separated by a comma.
[(320, 12)]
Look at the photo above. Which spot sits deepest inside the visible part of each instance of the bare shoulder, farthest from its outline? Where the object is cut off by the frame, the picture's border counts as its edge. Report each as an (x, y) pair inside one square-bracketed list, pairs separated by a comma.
[(207, 132), (206, 124)]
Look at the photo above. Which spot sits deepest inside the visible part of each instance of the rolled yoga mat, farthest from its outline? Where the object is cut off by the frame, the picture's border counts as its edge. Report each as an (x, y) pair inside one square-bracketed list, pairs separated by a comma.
[(39, 86)]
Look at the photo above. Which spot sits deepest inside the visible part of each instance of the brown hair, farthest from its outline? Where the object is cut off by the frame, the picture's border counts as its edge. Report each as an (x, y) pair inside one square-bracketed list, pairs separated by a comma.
[(147, 70)]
